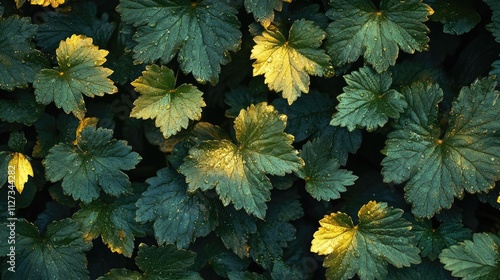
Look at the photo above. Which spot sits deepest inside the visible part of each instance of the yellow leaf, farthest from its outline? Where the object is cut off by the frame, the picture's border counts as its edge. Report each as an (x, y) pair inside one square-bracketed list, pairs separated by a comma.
[(22, 168), (45, 3), (498, 199), (92, 121)]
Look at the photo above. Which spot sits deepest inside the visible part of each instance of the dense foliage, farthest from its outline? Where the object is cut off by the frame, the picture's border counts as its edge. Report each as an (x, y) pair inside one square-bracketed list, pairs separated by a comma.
[(249, 139)]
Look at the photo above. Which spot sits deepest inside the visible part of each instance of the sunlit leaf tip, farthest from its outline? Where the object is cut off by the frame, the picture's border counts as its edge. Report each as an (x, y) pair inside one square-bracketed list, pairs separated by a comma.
[(20, 167), (45, 3)]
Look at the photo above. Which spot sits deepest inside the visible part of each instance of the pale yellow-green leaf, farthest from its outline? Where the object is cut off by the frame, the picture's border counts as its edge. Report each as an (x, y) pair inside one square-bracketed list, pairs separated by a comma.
[(45, 3), (22, 169)]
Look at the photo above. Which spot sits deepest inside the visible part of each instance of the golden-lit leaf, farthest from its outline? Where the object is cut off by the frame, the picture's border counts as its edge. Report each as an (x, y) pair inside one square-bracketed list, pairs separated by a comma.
[(22, 168), (92, 121), (45, 3)]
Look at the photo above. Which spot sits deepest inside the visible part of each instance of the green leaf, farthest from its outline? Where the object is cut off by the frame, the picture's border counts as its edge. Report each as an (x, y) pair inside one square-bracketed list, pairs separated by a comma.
[(20, 107), (308, 115), (266, 244), (432, 241), (79, 72), (19, 60), (423, 271), (202, 33), (380, 237), (458, 17), (113, 220), (245, 275), (237, 171), (171, 107), (438, 169), (494, 25), (178, 217), (324, 178), (343, 141), (51, 131), (95, 162), (60, 253), (242, 97), (236, 230), (263, 10), (17, 141), (81, 19), (286, 63), (474, 259), (377, 33), (163, 262), (368, 101)]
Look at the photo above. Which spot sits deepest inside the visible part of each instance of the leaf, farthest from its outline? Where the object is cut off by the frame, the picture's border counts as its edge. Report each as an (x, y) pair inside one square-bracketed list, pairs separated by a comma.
[(474, 259), (377, 33), (237, 171), (242, 97), (202, 33), (324, 178), (380, 237), (94, 163), (19, 60), (81, 19), (51, 131), (244, 275), (45, 3), (457, 17), (22, 169), (343, 141), (171, 107), (266, 244), (178, 217), (59, 253), (113, 220), (432, 241), (286, 63), (166, 262), (20, 107), (423, 271), (236, 230), (368, 101), (494, 25), (263, 10), (308, 115), (438, 169), (79, 72)]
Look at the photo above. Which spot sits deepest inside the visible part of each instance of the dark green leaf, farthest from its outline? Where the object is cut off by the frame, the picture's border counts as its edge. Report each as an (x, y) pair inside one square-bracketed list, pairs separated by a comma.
[(19, 60), (263, 10), (95, 162), (238, 171), (178, 217), (494, 25), (432, 241), (308, 115), (368, 101), (478, 258), (245, 275), (324, 178), (17, 141), (235, 230), (458, 16), (202, 33), (20, 107), (425, 270), (242, 97), (439, 169), (58, 254), (81, 19), (51, 131), (113, 220), (343, 141), (360, 28)]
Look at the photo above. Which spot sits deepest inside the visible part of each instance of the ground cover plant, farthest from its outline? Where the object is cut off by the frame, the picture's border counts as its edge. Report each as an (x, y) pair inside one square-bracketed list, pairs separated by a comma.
[(249, 139)]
